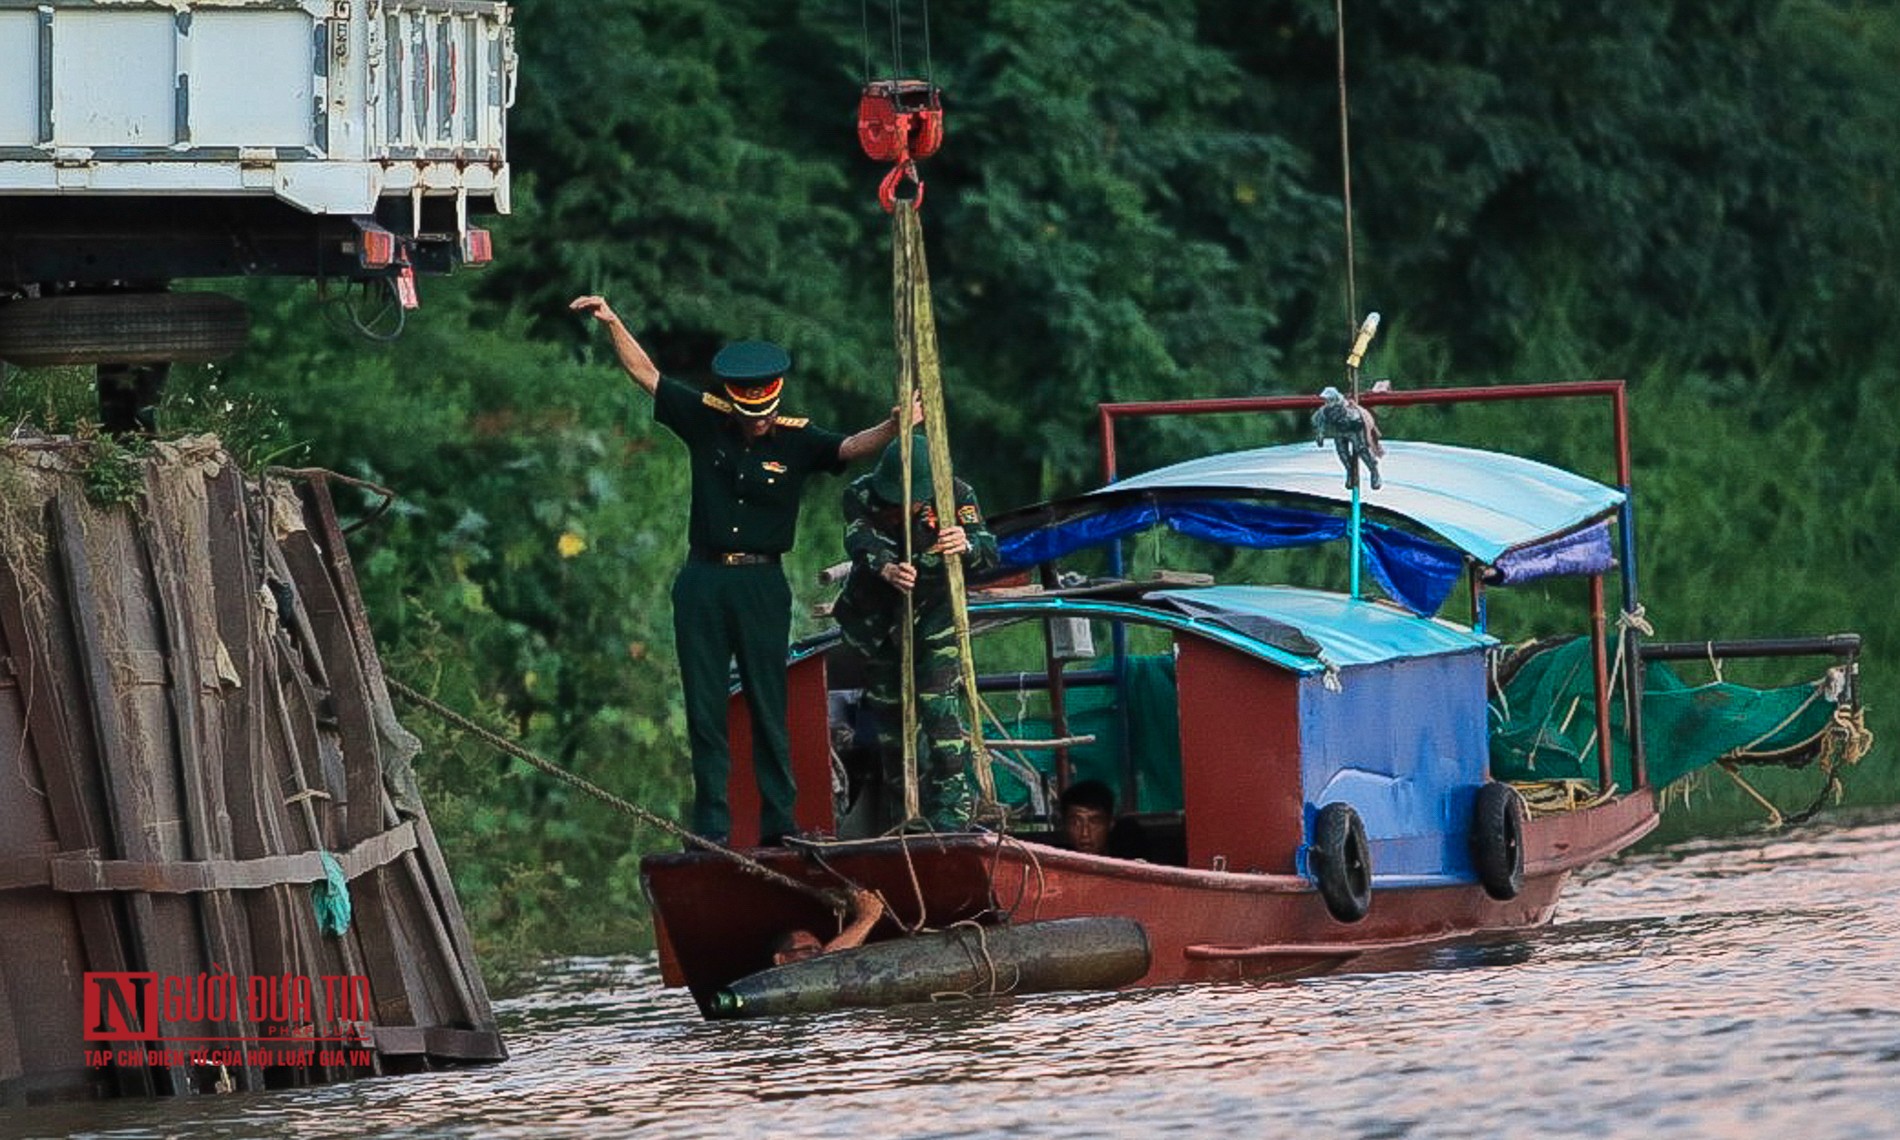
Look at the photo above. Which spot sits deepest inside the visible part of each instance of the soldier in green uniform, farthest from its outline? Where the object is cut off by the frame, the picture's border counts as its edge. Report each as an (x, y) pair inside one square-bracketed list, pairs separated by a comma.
[(871, 609), (731, 601)]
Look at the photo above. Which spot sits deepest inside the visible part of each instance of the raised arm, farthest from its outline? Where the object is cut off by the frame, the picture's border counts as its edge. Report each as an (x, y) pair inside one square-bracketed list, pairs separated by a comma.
[(866, 909), (871, 440), (633, 359)]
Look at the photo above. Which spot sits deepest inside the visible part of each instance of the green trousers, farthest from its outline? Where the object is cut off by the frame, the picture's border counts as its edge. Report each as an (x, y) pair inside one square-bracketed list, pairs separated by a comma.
[(722, 614), (944, 754)]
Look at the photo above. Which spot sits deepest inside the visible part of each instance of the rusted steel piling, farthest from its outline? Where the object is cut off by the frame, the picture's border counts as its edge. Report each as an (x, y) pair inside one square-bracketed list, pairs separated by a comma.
[(195, 739)]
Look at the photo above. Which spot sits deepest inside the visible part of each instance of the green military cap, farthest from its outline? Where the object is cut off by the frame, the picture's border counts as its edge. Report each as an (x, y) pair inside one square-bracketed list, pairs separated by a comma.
[(753, 372), (887, 478)]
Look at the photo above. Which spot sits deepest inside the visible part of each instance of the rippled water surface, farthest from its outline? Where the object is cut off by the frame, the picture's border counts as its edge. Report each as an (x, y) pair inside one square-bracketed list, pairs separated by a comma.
[(1742, 987)]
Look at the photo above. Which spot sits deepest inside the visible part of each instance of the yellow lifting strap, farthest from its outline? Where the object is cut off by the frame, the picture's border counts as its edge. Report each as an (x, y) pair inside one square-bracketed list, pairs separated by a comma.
[(919, 376)]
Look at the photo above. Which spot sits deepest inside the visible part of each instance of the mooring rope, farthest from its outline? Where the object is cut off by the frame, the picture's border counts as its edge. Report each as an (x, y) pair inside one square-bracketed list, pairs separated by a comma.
[(1031, 862), (832, 899)]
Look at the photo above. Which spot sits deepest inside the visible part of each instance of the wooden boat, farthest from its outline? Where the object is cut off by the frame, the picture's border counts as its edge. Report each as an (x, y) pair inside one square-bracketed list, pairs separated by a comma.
[(1311, 769)]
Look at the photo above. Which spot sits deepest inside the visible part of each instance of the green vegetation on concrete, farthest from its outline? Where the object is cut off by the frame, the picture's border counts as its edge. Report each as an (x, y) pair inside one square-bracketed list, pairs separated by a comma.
[(1135, 199)]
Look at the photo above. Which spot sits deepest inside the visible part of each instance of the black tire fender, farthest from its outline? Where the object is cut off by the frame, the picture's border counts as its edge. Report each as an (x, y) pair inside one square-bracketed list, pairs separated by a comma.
[(1341, 862), (1497, 840)]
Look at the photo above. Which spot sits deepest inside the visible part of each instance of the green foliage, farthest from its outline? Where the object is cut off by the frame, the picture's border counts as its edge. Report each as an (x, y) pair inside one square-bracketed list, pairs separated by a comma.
[(1136, 199), (112, 475), (53, 400)]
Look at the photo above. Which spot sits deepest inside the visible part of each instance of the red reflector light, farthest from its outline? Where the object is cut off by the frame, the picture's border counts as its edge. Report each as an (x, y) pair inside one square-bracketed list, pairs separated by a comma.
[(406, 288), (376, 249), (477, 247)]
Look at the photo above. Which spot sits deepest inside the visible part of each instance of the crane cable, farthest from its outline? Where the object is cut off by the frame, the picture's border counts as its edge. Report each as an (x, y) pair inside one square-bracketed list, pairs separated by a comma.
[(897, 39), (1345, 174)]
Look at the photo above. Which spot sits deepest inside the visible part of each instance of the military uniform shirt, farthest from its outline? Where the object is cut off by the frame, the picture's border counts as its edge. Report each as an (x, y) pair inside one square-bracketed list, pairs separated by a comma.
[(867, 608), (745, 493)]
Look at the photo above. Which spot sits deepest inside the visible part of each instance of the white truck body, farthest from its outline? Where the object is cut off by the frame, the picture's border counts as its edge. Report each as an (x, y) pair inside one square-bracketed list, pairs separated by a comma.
[(327, 105)]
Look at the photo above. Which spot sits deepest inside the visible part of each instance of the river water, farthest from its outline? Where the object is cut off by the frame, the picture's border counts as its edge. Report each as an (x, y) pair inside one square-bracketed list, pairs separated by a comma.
[(1738, 987)]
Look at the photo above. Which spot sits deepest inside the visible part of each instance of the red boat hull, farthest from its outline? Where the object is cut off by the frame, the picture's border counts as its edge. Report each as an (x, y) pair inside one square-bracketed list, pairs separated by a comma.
[(717, 922)]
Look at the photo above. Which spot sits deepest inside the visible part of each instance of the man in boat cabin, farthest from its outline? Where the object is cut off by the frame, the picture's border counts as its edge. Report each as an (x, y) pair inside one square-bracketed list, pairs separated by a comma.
[(731, 601), (1088, 823), (1088, 811), (871, 610)]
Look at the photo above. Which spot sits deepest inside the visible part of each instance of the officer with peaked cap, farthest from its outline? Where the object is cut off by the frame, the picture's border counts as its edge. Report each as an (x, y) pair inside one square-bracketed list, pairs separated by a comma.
[(731, 601)]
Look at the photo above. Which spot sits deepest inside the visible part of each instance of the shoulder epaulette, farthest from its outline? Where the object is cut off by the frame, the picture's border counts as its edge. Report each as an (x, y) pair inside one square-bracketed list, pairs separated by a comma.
[(714, 402), (794, 421)]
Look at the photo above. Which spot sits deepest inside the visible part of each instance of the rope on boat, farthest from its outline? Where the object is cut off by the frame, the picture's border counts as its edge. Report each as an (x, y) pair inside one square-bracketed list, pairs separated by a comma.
[(1843, 740), (984, 963), (1031, 861), (832, 899), (1554, 797)]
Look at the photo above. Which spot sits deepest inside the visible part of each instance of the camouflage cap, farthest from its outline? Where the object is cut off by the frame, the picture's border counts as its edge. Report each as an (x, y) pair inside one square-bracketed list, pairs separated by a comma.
[(887, 478)]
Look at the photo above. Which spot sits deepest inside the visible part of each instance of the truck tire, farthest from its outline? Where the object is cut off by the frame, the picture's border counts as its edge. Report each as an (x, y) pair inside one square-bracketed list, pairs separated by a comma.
[(122, 328)]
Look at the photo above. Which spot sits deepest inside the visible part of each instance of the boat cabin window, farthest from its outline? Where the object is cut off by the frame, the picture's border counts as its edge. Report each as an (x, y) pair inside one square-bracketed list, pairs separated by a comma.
[(1076, 697)]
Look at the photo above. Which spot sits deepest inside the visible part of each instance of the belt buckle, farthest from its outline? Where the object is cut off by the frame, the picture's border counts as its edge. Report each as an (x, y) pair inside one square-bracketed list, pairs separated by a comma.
[(732, 559)]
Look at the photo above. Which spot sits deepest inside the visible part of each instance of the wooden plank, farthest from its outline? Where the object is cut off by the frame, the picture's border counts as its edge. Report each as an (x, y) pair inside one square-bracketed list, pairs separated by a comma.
[(175, 533), (79, 873), (348, 700), (37, 645), (127, 785), (288, 713), (285, 513), (436, 872), (290, 823), (233, 549), (160, 718), (40, 943), (302, 703), (12, 1065), (284, 829), (395, 1003), (432, 871), (300, 698), (435, 968), (439, 1041)]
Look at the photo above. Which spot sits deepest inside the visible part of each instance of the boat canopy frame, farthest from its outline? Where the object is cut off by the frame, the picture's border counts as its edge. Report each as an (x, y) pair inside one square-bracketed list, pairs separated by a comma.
[(1613, 392)]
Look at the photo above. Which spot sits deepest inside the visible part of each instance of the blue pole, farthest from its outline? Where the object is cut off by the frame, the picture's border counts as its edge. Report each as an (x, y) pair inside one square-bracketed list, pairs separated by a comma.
[(1353, 533)]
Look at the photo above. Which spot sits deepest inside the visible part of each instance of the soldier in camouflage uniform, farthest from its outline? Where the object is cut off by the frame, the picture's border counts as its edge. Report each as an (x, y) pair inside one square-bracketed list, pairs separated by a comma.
[(872, 606), (731, 602)]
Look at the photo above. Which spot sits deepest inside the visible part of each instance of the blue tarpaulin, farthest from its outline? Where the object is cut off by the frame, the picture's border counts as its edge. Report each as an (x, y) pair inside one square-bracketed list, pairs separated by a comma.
[(1523, 518), (1416, 572)]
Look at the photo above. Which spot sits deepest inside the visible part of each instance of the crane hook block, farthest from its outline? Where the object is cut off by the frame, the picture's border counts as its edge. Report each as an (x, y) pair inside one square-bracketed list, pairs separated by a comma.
[(900, 119)]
